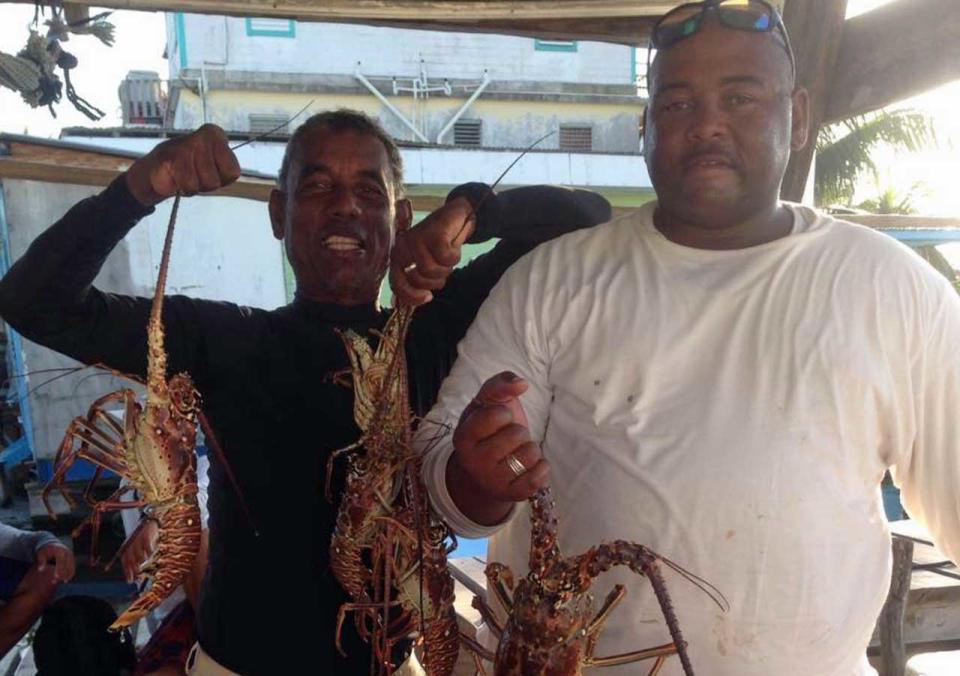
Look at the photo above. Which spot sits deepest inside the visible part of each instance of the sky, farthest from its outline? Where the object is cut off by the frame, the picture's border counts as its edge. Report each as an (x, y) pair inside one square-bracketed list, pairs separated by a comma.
[(140, 39)]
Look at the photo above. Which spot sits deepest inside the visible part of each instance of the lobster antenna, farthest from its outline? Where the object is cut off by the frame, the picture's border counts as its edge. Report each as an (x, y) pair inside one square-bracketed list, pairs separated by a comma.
[(275, 129), (73, 370), (156, 355), (706, 587), (211, 438), (500, 178)]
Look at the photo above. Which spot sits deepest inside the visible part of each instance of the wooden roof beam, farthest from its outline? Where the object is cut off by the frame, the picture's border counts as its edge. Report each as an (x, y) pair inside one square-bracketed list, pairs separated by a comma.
[(816, 31), (601, 20), (399, 10), (895, 52)]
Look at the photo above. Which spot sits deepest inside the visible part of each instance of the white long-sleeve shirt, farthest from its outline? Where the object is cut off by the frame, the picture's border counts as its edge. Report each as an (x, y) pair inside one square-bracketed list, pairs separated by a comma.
[(734, 411)]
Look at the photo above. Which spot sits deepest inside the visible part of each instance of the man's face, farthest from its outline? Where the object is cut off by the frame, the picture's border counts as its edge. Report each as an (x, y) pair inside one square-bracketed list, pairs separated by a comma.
[(337, 215), (720, 125)]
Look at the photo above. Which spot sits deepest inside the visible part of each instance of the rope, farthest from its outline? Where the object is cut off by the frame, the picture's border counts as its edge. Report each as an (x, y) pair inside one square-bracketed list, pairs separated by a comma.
[(32, 72)]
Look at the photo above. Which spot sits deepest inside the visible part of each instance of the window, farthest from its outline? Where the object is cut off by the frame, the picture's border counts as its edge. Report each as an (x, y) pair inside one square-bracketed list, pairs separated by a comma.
[(467, 133), (277, 125), (275, 28), (576, 139), (555, 45)]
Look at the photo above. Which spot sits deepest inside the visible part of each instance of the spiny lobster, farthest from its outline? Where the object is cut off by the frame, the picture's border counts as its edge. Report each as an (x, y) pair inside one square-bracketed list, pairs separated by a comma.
[(153, 450), (384, 516), (552, 629)]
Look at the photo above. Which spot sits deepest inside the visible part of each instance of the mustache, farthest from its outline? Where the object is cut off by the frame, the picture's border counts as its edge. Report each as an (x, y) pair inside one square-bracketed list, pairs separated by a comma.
[(713, 153)]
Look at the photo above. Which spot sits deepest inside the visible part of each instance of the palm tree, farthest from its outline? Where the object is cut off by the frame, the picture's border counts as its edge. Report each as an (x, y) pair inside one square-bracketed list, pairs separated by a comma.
[(844, 149), (891, 201)]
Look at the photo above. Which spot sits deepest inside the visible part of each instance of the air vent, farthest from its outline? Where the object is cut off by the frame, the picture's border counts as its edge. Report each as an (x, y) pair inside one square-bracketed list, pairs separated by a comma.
[(141, 98), (277, 125), (576, 139), (468, 133)]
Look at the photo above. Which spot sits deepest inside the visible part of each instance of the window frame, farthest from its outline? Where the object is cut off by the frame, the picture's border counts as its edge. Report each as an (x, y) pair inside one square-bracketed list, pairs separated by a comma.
[(291, 31)]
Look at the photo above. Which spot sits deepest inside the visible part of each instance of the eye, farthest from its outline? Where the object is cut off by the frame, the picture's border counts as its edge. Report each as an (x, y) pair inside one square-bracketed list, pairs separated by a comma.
[(183, 397), (316, 186), (673, 107), (737, 100)]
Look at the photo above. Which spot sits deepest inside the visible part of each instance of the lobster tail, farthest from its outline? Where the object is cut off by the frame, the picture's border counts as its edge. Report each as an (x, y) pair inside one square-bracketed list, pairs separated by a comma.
[(441, 637), (177, 546)]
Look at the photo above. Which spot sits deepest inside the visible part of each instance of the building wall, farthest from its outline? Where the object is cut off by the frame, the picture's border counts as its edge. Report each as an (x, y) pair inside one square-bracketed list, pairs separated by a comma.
[(436, 169), (506, 124), (223, 249), (337, 49)]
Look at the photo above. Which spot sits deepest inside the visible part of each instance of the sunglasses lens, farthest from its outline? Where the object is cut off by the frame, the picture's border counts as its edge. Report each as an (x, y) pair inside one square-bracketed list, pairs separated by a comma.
[(677, 25), (746, 16)]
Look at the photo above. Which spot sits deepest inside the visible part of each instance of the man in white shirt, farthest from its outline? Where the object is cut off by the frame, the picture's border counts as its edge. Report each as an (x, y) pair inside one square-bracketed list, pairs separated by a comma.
[(721, 377)]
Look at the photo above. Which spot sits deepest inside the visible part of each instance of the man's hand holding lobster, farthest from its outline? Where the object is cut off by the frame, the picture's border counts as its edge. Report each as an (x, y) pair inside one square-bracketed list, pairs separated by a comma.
[(495, 463), (424, 256), (198, 162)]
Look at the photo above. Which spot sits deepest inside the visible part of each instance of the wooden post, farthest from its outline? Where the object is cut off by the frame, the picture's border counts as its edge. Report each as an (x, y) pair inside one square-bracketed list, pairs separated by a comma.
[(893, 658), (816, 31)]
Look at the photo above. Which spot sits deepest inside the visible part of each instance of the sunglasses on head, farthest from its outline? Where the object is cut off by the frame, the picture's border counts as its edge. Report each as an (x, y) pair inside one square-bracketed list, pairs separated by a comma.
[(752, 16)]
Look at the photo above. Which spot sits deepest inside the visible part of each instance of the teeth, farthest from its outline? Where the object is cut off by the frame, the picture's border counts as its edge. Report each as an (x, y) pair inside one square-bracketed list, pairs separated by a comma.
[(339, 243)]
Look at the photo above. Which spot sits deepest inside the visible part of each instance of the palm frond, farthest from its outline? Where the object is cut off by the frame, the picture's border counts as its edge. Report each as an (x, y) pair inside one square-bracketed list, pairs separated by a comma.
[(844, 149)]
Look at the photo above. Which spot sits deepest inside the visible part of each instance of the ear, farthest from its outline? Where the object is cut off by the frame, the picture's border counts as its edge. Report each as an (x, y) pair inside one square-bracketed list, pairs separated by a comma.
[(404, 219), (800, 129), (278, 212)]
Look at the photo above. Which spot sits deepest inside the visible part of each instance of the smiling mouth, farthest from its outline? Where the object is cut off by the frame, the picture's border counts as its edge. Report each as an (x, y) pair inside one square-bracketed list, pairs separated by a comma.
[(341, 243)]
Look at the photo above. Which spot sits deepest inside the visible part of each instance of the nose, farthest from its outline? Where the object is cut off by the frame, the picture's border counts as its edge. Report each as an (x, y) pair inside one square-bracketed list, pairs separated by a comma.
[(709, 121), (344, 203)]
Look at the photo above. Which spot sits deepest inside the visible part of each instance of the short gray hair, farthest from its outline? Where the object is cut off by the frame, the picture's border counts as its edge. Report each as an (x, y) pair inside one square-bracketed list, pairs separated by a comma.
[(344, 119)]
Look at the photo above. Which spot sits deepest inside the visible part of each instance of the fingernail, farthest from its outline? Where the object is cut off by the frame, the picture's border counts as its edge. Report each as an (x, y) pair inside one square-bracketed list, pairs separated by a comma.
[(512, 377)]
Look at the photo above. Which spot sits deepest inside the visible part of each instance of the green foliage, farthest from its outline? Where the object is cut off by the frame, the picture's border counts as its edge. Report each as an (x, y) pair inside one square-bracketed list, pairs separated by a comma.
[(892, 201), (844, 149)]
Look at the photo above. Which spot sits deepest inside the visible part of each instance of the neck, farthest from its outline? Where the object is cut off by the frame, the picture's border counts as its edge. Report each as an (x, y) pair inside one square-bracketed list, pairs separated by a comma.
[(345, 300), (741, 233)]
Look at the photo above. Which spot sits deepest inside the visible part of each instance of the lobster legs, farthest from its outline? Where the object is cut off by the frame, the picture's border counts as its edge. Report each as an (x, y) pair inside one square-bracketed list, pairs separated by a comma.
[(99, 439), (592, 633)]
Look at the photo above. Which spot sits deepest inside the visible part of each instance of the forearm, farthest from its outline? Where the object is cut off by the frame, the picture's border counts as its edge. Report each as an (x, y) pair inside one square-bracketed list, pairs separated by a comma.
[(49, 285), (22, 545), (531, 214)]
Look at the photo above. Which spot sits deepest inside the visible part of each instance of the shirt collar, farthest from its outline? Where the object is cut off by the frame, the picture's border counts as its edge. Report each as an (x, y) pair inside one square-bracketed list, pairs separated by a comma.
[(335, 313)]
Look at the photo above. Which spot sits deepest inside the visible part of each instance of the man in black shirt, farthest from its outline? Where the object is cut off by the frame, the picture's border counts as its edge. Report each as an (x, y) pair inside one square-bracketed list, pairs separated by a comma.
[(268, 603)]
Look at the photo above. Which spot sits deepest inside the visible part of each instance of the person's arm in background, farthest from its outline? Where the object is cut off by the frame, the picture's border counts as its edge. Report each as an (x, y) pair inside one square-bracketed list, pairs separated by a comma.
[(48, 296), (39, 546), (37, 563)]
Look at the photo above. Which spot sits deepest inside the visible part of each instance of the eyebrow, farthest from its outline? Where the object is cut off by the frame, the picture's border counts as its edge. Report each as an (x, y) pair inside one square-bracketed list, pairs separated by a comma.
[(728, 80), (321, 168), (743, 79)]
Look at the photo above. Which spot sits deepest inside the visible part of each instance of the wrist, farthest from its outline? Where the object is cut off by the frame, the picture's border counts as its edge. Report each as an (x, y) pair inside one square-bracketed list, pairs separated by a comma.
[(465, 217), (140, 189)]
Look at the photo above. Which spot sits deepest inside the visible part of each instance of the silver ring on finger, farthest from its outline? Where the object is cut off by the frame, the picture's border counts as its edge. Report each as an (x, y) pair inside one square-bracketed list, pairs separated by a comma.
[(410, 268), (515, 465)]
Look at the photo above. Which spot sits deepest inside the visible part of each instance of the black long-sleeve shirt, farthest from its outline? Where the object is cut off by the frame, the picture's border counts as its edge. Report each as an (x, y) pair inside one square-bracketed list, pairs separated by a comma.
[(265, 381)]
